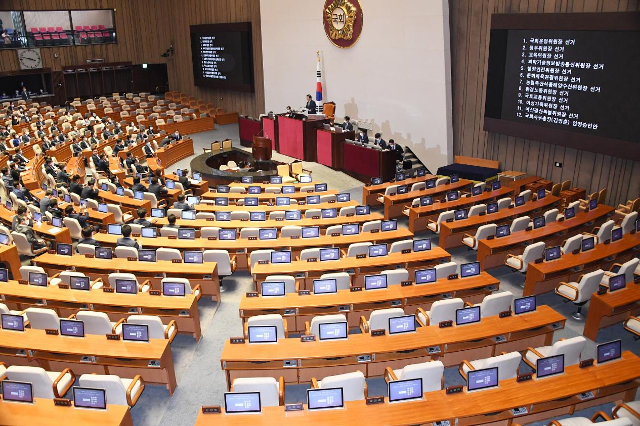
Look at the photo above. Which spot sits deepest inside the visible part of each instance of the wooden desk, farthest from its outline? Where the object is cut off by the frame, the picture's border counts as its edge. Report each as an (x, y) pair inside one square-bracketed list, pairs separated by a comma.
[(119, 357), (94, 215), (520, 184), (330, 147), (43, 411), (266, 184), (298, 309), (61, 235), (611, 308), (319, 359), (492, 253), (451, 233), (184, 310), (570, 195), (307, 271), (11, 259), (366, 162), (264, 196), (127, 204), (75, 165), (419, 216), (544, 399), (171, 154), (544, 277), (268, 208), (394, 204), (198, 188), (370, 192), (205, 274)]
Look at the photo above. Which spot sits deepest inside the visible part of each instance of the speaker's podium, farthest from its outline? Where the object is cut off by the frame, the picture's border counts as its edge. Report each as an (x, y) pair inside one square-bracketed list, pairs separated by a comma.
[(297, 135)]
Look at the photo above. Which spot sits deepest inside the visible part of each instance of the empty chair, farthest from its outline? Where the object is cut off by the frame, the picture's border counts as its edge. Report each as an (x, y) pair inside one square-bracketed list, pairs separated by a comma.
[(169, 254), (520, 224), (329, 198), (237, 190), (42, 319), (415, 202), (550, 215), (389, 191), (570, 348), (289, 282), (176, 212), (86, 249), (45, 384), (495, 303), (310, 253), (482, 233), (586, 421), (477, 209), (580, 293), (225, 263), (627, 269), (354, 386), (628, 222), (632, 325), (507, 364), (396, 276), (5, 310), (99, 323), (249, 232), (398, 246), (343, 280), (277, 214), (65, 278), (442, 217), (346, 211), (356, 249), (283, 171), (571, 244), (24, 246), (157, 330), (142, 288), (118, 391), (602, 232), (289, 231), (271, 390), (238, 215), (521, 262), (166, 232), (269, 319), (629, 410), (209, 231), (314, 326), (443, 270), (379, 319), (205, 216), (272, 190), (418, 186), (258, 255), (369, 226), (311, 213), (431, 373), (443, 181), (124, 252), (25, 270), (441, 310)]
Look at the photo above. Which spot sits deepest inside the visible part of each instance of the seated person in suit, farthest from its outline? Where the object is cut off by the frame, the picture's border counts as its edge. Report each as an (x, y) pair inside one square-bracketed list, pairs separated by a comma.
[(45, 201), (20, 212), (347, 125), (91, 190), (137, 186), (80, 217), (184, 179), (25, 228), (148, 149), (75, 187), (21, 193), (139, 167), (87, 237), (7, 179), (119, 146), (141, 220), (379, 141), (157, 189), (172, 222), (63, 177), (182, 204), (54, 209), (362, 137), (126, 239), (103, 164), (393, 146), (175, 136), (311, 105)]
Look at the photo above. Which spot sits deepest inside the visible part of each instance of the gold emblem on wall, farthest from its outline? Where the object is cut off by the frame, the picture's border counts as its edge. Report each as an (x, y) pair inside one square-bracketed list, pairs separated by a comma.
[(342, 22)]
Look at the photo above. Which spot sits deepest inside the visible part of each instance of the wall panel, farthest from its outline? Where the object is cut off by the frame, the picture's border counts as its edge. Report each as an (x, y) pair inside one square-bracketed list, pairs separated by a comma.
[(470, 23)]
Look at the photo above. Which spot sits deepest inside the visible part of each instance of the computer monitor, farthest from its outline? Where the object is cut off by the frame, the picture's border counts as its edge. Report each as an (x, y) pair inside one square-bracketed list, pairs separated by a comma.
[(402, 324), (102, 208), (421, 172), (616, 234), (227, 234), (376, 181), (405, 390), (4, 275), (272, 288), (609, 351), (454, 178), (173, 289), (377, 250), (541, 193), (159, 213), (482, 379), (476, 190), (426, 201), (188, 215), (325, 286), (71, 328), (149, 232), (193, 200), (283, 201), (343, 197), (503, 231), (135, 332), (402, 189), (104, 187), (276, 180), (328, 254), (552, 253), (333, 330), (251, 201), (320, 187), (375, 282), (186, 234), (424, 276), (325, 399), (588, 244), (12, 322), (193, 256), (538, 222), (37, 217), (254, 190), (267, 233), (569, 212), (242, 402), (280, 257), (495, 185), (292, 215), (593, 204), (223, 216), (310, 232), (79, 283), (469, 269), (197, 176), (38, 278), (221, 201), (351, 229), (222, 189), (104, 253), (57, 222), (617, 283), (431, 183), (147, 255), (263, 334), (288, 189), (64, 249), (421, 245), (8, 205), (114, 229), (170, 184), (67, 198), (329, 213), (127, 286), (549, 366), (460, 214), (120, 191), (246, 179), (637, 225), (304, 179), (389, 225), (524, 305), (400, 176), (17, 391), (138, 195), (492, 208), (91, 398), (519, 201), (469, 315), (313, 199), (453, 195), (362, 210)]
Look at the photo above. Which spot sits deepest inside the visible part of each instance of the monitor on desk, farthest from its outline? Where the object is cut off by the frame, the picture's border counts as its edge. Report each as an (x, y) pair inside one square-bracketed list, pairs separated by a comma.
[(242, 402), (173, 289), (402, 189), (17, 391), (149, 232), (257, 216), (538, 222), (193, 200), (38, 279), (320, 187), (223, 216), (102, 208), (79, 283), (292, 215), (328, 254), (254, 190), (343, 197), (389, 225), (272, 288), (609, 351), (325, 286), (431, 183), (376, 181), (454, 178), (552, 253), (471, 269), (405, 390), (569, 212), (251, 201), (246, 179), (221, 201), (588, 244), (593, 204), (325, 399), (492, 207), (8, 205), (89, 398), (170, 184), (351, 229), (482, 379), (194, 256), (288, 189), (400, 177), (524, 305), (4, 275), (304, 179), (402, 324), (375, 282), (617, 283), (267, 233), (616, 234), (328, 213), (189, 215), (460, 214), (138, 195), (503, 231), (227, 234), (12, 322), (495, 185), (283, 201), (476, 190), (453, 195), (421, 245), (147, 255), (424, 276), (277, 180), (71, 328), (120, 191), (64, 249), (37, 218), (67, 198), (421, 172), (519, 201), (54, 192), (333, 330), (362, 210), (637, 225), (127, 286), (223, 189), (197, 176), (549, 366), (469, 315), (313, 199), (159, 213), (186, 234), (263, 334), (104, 252), (135, 332), (541, 193), (281, 256), (426, 201), (311, 232), (57, 222), (377, 250)]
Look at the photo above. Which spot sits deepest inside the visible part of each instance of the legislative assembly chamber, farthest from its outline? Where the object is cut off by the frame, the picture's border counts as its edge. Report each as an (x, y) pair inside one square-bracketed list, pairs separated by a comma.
[(267, 212)]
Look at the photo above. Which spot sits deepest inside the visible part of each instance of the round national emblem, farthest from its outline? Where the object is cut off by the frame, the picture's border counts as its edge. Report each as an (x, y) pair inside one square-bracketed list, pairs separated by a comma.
[(342, 21)]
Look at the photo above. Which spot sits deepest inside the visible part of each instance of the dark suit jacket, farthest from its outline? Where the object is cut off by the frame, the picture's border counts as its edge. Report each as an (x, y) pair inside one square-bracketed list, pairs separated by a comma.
[(363, 138), (157, 190), (89, 192), (143, 222), (89, 241), (311, 106), (62, 177), (81, 218), (347, 125), (139, 187), (148, 151), (76, 188), (129, 242), (183, 206)]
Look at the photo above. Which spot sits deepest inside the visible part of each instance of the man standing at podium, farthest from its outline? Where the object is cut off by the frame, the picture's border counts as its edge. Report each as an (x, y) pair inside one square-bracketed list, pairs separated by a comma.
[(311, 105)]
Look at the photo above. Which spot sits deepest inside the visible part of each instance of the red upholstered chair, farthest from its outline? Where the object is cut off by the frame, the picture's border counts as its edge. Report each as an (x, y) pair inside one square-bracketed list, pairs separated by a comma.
[(101, 27), (51, 29), (86, 27), (94, 27), (34, 30), (43, 30), (59, 29), (46, 39), (78, 27)]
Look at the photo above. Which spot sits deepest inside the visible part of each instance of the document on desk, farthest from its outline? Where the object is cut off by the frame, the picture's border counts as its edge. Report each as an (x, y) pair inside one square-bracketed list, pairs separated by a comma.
[(54, 230)]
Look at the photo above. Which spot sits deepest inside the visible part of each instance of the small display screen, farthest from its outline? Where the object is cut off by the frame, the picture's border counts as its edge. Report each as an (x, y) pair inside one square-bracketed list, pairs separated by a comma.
[(268, 234), (12, 322), (138, 195), (329, 254), (377, 250), (4, 275), (114, 229), (149, 232), (588, 244), (305, 179), (135, 332), (400, 176), (89, 398), (272, 288), (469, 269), (159, 213), (288, 189), (609, 351), (351, 229), (333, 330), (616, 283), (17, 391), (616, 234), (283, 201), (292, 215), (320, 187), (569, 212), (71, 328), (242, 402), (492, 208), (322, 399), (223, 189), (188, 215), (313, 199), (329, 213), (227, 234), (193, 257), (552, 253), (221, 201), (460, 214), (426, 201), (193, 200), (344, 197), (222, 216), (538, 222), (280, 257), (421, 172), (421, 245), (275, 180), (64, 249), (187, 234), (454, 178), (325, 286), (173, 289), (482, 379), (424, 276), (503, 231), (147, 255), (57, 222), (495, 185), (375, 282), (38, 278), (311, 232), (376, 181), (170, 184), (120, 191), (431, 183), (541, 193), (263, 334), (362, 210), (519, 200), (593, 204), (468, 315), (197, 176), (402, 189), (476, 190), (453, 195), (247, 179), (102, 208), (104, 253), (389, 225), (402, 324), (251, 201), (126, 286), (254, 190), (549, 366), (405, 390), (524, 305)]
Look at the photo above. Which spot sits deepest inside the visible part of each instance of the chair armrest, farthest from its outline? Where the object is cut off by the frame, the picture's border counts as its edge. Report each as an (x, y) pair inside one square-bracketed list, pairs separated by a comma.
[(529, 363), (431, 221), (538, 354), (246, 330), (307, 328), (145, 282), (461, 370), (133, 401), (286, 327), (234, 263), (198, 290), (554, 423), (364, 324), (314, 383), (626, 327), (570, 286), (115, 326), (55, 276), (343, 253), (389, 375), (60, 377), (366, 390), (614, 413), (72, 316), (469, 236), (514, 257), (618, 265), (421, 311), (175, 330), (98, 280), (4, 375), (600, 415), (281, 390), (594, 231)]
